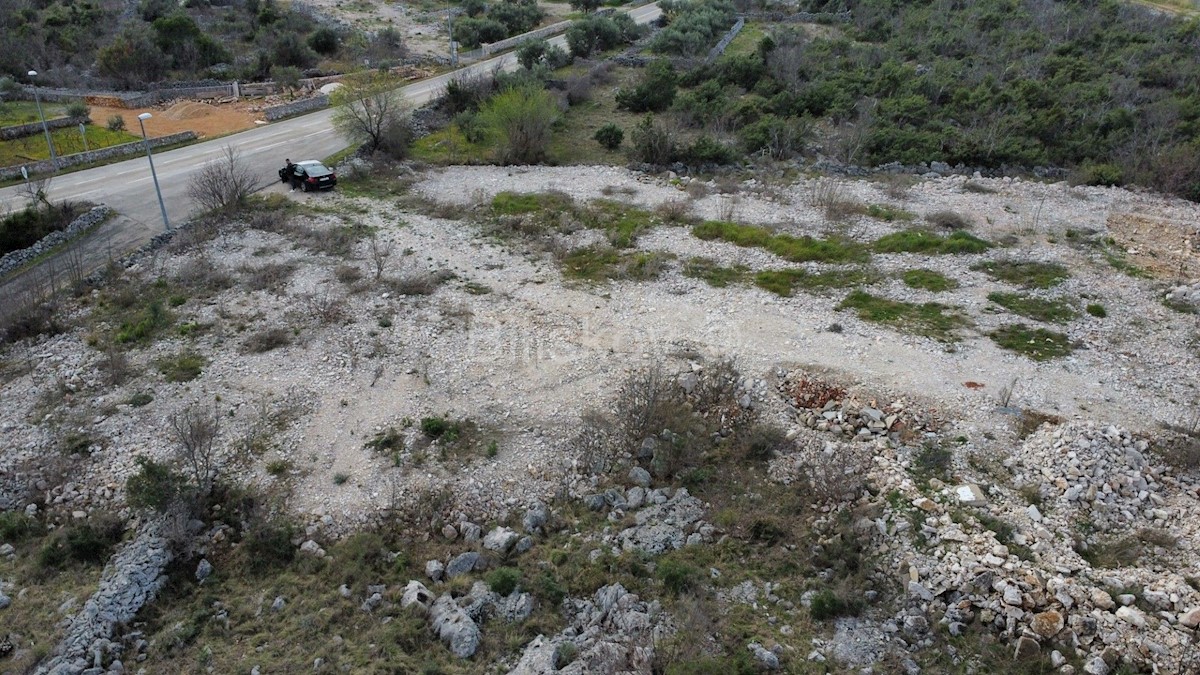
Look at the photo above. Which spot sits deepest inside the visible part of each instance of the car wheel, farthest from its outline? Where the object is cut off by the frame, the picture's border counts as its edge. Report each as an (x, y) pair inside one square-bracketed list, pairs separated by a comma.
[(305, 186)]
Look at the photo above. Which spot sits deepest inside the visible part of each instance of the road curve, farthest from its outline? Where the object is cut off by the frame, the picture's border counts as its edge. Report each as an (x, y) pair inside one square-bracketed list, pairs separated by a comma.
[(127, 186)]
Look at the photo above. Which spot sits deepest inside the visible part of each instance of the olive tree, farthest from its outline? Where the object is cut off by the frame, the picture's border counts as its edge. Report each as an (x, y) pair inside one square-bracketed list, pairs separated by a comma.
[(369, 110)]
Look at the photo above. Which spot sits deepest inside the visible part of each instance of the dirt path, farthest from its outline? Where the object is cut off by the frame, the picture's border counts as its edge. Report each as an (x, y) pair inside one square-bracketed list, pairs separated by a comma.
[(204, 119)]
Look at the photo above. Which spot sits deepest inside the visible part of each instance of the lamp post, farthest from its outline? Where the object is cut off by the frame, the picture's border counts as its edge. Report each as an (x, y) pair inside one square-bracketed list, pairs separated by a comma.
[(45, 129), (142, 123)]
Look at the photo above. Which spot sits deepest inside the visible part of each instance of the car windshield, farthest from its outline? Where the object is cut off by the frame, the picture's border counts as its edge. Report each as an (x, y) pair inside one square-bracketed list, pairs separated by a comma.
[(316, 170)]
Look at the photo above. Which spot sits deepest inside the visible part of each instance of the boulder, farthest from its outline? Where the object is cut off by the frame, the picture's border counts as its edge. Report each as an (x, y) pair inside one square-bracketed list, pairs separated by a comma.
[(765, 657), (203, 569), (639, 476), (535, 518), (1047, 624), (1190, 618), (1027, 648), (454, 627), (463, 563), (500, 539), (415, 593), (434, 569)]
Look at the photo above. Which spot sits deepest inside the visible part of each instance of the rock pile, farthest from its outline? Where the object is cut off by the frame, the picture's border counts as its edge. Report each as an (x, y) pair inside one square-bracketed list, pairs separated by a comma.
[(613, 632), (825, 406), (131, 579), (1011, 565)]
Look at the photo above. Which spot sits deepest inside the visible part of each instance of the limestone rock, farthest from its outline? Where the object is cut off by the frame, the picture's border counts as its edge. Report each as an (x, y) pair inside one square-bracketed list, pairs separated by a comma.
[(1048, 623), (454, 627), (461, 564), (500, 539)]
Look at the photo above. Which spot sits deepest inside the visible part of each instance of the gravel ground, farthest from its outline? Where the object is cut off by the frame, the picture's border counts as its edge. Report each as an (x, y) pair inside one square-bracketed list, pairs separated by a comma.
[(524, 360)]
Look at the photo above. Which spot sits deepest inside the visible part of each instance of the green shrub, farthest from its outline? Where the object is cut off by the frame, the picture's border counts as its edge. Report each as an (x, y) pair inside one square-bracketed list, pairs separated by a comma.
[(268, 545), (1097, 310), (707, 150), (828, 605), (654, 142), (1100, 174), (183, 367), (145, 324), (22, 229), (89, 542), (609, 136), (15, 527), (440, 428), (504, 580), (78, 110), (676, 576), (115, 123), (656, 91), (154, 486)]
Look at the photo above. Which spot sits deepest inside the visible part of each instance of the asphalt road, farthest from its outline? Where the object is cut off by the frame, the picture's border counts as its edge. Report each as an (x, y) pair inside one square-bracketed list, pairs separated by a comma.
[(127, 186)]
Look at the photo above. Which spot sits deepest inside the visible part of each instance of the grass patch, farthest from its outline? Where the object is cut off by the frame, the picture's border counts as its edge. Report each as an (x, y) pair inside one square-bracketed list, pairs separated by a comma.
[(604, 263), (1026, 274), (922, 241), (514, 204), (930, 319), (66, 142), (182, 367), (713, 273), (14, 113), (786, 246), (1038, 344), (928, 280), (889, 214), (1097, 310), (1038, 309), (784, 282)]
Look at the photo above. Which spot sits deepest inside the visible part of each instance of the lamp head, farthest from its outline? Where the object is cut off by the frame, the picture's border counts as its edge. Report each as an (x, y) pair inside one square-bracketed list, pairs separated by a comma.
[(145, 116), (32, 73)]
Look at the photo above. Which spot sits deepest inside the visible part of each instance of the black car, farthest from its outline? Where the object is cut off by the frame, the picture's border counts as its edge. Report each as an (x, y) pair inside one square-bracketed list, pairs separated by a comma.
[(309, 175)]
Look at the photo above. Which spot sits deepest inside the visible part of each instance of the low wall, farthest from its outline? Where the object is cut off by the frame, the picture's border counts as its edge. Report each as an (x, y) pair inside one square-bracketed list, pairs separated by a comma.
[(87, 221), (123, 150), (35, 128), (278, 112), (720, 47), (552, 29)]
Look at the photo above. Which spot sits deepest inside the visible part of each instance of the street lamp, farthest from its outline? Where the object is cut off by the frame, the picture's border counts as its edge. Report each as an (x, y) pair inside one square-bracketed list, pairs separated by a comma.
[(46, 129), (142, 123)]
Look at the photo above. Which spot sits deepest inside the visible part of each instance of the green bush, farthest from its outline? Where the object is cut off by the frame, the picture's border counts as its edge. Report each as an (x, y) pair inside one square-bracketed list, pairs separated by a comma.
[(22, 229), (78, 110), (1097, 310), (154, 486), (706, 150), (928, 280), (676, 576), (504, 580), (324, 41), (610, 136), (1100, 174), (16, 527), (655, 92), (183, 367), (828, 605), (440, 428), (654, 142), (116, 123), (90, 542), (693, 27), (601, 33), (268, 545), (523, 119)]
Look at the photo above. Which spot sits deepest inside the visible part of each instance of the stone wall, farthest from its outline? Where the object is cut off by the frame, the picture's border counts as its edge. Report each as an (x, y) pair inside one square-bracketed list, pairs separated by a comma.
[(123, 150), (278, 112), (34, 128), (552, 29), (720, 46), (87, 221)]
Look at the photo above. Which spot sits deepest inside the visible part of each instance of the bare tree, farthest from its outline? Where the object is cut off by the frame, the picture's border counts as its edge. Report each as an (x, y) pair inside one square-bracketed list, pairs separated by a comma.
[(380, 250), (223, 184), (196, 429), (369, 110)]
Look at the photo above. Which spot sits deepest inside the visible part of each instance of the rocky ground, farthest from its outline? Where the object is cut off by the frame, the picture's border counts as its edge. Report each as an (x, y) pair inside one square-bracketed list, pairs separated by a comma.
[(1033, 498)]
